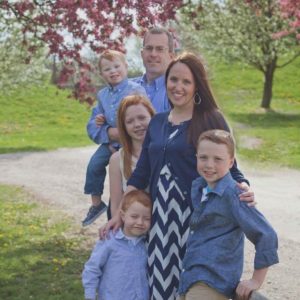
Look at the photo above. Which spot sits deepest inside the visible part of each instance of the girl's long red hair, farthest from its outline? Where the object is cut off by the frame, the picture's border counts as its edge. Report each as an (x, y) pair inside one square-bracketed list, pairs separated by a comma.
[(125, 139)]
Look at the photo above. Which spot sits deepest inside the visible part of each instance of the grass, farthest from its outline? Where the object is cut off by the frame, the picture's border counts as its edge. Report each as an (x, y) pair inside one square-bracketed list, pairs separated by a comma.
[(41, 118), (276, 133), (39, 256), (44, 118)]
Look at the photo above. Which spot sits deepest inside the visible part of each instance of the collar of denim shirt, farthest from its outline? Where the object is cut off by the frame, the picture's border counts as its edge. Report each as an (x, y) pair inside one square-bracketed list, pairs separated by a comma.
[(220, 187), (158, 82), (119, 87)]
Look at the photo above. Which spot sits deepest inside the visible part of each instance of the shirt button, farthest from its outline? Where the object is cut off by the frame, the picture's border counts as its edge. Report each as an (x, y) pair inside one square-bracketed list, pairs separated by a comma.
[(192, 232), (185, 192), (183, 270)]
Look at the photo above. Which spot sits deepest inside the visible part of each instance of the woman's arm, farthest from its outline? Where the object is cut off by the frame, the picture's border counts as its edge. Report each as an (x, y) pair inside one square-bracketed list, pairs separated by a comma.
[(218, 121), (115, 222), (115, 183)]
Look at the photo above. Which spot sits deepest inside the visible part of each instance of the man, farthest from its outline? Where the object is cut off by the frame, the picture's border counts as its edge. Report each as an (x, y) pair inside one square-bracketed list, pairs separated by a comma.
[(157, 53)]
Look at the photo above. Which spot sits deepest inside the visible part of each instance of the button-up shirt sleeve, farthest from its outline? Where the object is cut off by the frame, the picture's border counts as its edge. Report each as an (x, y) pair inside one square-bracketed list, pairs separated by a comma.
[(93, 269), (258, 230), (98, 134)]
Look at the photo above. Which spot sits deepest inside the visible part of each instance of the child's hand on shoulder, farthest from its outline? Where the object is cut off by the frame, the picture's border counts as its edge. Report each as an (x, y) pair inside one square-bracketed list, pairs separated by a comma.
[(100, 119), (245, 288)]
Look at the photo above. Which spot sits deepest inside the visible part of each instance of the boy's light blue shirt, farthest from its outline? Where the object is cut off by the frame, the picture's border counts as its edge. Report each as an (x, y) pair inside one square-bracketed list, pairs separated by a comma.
[(215, 246), (117, 269), (156, 91), (109, 99)]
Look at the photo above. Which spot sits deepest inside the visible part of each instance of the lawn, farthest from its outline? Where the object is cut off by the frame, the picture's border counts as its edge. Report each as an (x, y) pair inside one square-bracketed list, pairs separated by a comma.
[(263, 137), (44, 118), (40, 256), (41, 118)]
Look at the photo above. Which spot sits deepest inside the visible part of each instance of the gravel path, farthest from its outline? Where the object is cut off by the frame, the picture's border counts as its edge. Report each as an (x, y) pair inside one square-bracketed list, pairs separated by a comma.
[(57, 178)]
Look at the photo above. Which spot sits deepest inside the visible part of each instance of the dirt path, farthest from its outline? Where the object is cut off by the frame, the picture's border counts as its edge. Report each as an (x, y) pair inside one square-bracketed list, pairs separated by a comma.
[(57, 178)]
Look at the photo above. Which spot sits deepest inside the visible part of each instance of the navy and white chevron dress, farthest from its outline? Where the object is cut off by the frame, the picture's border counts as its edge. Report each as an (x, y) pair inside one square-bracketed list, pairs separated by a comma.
[(167, 237)]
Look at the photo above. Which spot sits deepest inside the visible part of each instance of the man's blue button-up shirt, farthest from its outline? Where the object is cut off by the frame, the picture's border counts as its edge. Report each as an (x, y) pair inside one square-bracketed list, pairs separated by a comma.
[(117, 269), (215, 246), (109, 99), (156, 91)]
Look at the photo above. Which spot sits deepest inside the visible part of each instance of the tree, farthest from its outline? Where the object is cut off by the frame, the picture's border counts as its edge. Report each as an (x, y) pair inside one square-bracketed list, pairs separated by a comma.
[(67, 26), (246, 31), (291, 10), (15, 71)]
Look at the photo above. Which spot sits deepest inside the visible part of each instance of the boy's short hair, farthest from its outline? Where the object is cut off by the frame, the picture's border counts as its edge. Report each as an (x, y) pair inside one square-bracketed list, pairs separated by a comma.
[(219, 136), (111, 55), (136, 196)]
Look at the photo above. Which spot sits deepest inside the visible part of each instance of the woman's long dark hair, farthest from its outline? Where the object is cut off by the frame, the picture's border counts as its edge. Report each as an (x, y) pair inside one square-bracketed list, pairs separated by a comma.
[(206, 115)]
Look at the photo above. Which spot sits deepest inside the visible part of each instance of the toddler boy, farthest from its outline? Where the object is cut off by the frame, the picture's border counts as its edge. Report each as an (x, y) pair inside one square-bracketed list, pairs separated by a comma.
[(102, 125)]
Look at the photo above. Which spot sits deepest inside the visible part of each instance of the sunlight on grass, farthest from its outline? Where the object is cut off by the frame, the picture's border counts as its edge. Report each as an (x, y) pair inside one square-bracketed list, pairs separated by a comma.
[(37, 260), (44, 118), (41, 118), (239, 90)]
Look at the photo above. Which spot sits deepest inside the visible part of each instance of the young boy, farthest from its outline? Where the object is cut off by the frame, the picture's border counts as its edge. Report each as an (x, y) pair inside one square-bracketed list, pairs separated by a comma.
[(117, 268), (101, 127), (213, 263)]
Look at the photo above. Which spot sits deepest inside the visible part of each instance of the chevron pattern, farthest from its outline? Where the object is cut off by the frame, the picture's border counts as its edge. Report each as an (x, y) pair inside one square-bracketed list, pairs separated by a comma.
[(167, 238)]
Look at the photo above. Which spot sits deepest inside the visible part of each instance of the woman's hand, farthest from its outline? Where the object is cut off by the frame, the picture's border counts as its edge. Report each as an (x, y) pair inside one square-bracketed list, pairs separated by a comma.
[(247, 195), (113, 224)]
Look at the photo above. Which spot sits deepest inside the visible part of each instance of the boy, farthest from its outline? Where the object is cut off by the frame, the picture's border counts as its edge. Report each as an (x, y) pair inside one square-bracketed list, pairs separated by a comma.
[(117, 268), (102, 126), (213, 262)]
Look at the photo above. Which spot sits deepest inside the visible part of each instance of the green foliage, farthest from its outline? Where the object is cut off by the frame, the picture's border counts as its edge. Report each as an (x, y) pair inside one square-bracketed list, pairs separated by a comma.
[(243, 31), (18, 67), (41, 118), (37, 260)]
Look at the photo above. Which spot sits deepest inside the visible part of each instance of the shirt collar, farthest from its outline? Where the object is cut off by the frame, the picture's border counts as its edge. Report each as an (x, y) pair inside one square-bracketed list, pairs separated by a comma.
[(120, 86), (221, 185), (121, 236), (157, 82)]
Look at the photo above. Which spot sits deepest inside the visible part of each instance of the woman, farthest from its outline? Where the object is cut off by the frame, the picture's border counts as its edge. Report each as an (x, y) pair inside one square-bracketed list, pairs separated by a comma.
[(134, 115), (168, 165)]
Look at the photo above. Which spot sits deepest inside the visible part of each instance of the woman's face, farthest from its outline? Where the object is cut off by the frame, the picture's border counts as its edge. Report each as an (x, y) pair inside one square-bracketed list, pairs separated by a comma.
[(181, 86), (137, 119)]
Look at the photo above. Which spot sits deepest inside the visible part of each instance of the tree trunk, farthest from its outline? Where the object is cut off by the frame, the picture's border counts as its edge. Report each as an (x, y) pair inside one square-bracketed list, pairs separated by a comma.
[(54, 74), (268, 84)]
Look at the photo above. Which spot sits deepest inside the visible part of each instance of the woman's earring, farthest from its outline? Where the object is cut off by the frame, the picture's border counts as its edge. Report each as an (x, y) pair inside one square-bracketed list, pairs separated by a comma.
[(197, 99)]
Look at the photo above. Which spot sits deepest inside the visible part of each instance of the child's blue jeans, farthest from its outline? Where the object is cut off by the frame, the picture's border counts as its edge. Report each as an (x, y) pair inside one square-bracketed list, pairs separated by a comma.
[(96, 171)]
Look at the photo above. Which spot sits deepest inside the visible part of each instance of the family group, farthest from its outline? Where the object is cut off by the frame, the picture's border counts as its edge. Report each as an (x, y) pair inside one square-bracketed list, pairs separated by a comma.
[(179, 206)]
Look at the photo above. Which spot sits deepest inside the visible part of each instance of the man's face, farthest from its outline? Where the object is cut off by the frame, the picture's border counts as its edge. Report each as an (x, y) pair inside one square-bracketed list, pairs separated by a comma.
[(156, 55)]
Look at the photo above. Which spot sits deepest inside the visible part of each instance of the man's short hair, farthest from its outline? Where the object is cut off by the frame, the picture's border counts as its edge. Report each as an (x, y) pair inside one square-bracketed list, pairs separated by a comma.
[(159, 30)]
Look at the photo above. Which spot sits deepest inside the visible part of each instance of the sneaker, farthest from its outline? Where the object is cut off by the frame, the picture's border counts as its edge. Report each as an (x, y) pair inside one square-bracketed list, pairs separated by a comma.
[(93, 213)]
